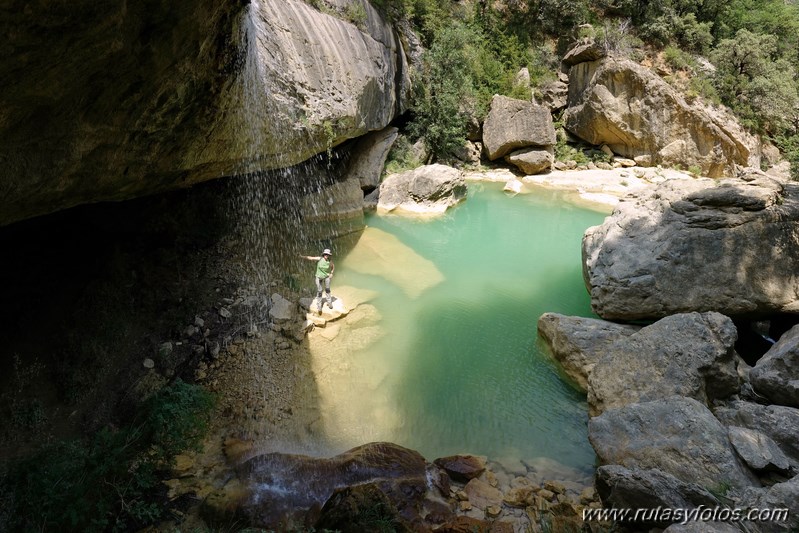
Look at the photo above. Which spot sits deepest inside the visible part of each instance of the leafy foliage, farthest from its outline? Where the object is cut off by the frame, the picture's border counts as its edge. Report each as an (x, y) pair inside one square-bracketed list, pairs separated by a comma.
[(109, 482), (755, 82)]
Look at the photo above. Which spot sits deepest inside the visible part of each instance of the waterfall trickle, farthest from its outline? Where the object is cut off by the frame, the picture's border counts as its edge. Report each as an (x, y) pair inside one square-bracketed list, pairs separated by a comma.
[(267, 203)]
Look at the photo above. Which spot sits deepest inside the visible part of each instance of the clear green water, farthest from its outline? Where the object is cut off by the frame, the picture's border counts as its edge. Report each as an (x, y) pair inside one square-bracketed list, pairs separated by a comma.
[(467, 370)]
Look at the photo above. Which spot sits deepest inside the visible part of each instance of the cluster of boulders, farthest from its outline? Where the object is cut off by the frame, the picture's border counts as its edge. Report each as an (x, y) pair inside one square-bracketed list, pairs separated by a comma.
[(624, 110), (678, 419)]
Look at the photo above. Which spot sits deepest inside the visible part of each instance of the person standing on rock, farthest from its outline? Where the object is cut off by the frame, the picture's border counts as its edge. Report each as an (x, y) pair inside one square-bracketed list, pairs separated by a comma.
[(324, 273)]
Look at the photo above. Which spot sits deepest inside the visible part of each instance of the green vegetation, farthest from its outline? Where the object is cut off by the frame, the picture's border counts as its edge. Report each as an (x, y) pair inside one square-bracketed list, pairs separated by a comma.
[(111, 481), (475, 52), (402, 156)]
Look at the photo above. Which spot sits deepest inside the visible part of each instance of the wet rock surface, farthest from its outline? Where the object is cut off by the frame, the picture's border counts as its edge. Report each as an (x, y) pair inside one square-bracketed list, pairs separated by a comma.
[(462, 467), (115, 119)]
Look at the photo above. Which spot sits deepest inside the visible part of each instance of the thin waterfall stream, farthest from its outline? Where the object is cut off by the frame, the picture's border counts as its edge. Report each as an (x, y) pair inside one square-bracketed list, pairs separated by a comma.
[(440, 352)]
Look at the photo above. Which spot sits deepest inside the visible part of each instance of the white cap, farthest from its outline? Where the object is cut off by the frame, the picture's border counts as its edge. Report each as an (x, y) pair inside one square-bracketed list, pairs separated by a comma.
[(327, 251)]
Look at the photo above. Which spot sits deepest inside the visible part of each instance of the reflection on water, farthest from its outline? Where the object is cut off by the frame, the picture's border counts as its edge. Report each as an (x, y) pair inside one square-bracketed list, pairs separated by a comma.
[(444, 357)]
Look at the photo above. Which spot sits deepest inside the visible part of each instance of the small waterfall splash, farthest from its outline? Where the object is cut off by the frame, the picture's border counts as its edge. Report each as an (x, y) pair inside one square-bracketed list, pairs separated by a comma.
[(268, 204)]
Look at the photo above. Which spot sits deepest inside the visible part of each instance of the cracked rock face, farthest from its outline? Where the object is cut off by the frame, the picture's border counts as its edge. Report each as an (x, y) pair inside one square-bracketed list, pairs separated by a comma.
[(617, 102), (678, 436), (689, 355), (107, 100), (728, 246)]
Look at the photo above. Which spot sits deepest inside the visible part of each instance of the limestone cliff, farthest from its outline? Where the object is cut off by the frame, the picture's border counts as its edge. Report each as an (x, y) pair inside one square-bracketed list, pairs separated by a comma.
[(108, 100)]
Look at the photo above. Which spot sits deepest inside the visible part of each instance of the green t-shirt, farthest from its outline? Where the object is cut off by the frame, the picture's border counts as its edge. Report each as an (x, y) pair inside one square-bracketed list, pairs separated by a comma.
[(322, 268)]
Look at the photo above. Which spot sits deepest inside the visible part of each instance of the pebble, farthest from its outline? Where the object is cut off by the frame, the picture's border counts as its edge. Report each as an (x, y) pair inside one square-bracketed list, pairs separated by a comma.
[(148, 363), (165, 349), (214, 350), (493, 511), (546, 494), (555, 486), (225, 313), (190, 331), (199, 322)]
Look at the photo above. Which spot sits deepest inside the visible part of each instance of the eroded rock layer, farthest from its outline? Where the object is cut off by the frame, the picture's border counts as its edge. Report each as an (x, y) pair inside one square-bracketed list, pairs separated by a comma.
[(107, 100)]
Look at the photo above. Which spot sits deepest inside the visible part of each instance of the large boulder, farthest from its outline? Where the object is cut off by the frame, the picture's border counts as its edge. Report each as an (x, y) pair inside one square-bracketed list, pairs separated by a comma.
[(624, 488), (512, 124), (678, 436), (553, 95), (697, 245), (577, 343), (105, 101), (688, 355), (582, 51), (779, 423), (776, 374), (429, 189), (617, 102), (360, 508)]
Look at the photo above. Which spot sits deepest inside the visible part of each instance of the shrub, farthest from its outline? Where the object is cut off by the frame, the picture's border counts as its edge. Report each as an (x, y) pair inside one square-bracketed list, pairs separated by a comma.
[(356, 13), (401, 157), (108, 482)]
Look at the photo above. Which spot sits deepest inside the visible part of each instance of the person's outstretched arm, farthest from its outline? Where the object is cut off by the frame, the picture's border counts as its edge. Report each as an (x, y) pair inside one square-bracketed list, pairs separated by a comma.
[(311, 257)]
